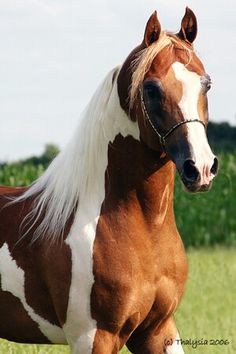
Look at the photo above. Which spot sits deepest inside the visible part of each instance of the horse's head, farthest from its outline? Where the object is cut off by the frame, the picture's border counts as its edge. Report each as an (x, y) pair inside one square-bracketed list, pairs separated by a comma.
[(163, 85)]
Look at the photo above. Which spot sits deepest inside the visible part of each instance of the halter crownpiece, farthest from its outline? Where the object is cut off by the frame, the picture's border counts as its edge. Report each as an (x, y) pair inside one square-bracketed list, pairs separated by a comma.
[(162, 138)]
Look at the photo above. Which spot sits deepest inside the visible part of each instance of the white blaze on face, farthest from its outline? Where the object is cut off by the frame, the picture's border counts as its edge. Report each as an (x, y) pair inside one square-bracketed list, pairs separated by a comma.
[(191, 86)]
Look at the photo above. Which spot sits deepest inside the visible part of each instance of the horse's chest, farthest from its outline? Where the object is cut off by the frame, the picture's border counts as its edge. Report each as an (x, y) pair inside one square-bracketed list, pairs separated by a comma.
[(137, 278), (170, 278)]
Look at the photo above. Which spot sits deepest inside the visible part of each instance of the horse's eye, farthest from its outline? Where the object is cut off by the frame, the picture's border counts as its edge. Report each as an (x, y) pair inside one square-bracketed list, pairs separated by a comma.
[(208, 86), (206, 83), (152, 91)]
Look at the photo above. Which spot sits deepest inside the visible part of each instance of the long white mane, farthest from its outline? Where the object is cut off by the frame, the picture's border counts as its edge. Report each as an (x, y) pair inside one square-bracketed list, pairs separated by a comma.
[(72, 174)]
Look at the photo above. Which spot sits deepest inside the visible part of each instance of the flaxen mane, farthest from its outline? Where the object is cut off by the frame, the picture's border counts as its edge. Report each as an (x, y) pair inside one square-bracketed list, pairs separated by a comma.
[(58, 191), (71, 174)]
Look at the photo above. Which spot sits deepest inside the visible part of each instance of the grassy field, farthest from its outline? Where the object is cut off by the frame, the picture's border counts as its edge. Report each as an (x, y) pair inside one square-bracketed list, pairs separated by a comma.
[(207, 312)]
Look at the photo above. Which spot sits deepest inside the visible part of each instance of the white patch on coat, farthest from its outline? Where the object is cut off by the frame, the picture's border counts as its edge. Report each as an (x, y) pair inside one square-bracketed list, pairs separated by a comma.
[(13, 281), (191, 86), (80, 327)]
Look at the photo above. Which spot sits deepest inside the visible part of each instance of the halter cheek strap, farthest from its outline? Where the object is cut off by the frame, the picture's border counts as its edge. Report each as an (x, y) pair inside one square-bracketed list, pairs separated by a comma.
[(162, 138)]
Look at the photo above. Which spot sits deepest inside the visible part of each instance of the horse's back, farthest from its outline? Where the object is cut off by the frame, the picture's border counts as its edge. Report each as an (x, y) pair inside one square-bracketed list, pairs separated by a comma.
[(10, 212), (11, 191)]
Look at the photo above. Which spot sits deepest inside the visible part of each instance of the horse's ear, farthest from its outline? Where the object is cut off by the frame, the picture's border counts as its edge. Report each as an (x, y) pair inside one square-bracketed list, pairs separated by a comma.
[(188, 31), (152, 31)]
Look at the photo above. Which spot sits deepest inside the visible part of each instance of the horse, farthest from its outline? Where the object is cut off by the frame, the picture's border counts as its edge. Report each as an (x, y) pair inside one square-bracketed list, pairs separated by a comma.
[(90, 254)]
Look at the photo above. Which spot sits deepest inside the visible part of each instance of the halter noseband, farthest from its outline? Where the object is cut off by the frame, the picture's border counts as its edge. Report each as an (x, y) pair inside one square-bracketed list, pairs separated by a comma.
[(162, 138)]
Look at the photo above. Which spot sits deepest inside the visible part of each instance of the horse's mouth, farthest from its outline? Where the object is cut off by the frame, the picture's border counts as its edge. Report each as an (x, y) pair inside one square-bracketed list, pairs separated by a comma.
[(195, 187)]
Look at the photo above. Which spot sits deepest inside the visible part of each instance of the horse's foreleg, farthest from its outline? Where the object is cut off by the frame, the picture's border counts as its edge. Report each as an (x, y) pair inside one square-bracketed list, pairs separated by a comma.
[(105, 343), (163, 340)]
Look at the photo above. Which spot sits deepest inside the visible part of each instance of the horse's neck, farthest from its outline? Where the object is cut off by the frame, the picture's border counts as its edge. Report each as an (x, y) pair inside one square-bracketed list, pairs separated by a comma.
[(136, 173)]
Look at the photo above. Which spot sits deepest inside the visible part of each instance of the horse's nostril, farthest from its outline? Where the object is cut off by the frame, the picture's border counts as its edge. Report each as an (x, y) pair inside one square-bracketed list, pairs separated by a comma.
[(215, 166), (190, 171)]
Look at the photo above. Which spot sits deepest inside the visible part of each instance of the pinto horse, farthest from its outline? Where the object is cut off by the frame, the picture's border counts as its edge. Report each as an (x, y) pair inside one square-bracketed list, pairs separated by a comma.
[(90, 254)]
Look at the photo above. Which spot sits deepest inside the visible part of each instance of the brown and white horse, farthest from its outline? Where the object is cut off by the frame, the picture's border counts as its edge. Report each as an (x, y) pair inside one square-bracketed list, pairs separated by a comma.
[(90, 254)]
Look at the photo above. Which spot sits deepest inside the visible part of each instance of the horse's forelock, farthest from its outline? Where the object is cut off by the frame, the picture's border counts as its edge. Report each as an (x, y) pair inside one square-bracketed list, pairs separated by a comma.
[(144, 59)]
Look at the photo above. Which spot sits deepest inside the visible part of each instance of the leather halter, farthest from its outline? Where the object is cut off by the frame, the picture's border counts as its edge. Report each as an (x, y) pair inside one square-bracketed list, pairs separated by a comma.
[(162, 138)]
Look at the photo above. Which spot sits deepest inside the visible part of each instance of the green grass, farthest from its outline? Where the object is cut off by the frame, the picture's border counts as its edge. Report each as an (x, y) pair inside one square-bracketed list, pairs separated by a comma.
[(207, 311)]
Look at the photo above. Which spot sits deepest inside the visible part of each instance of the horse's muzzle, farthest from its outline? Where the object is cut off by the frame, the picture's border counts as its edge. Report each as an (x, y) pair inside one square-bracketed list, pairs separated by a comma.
[(198, 178)]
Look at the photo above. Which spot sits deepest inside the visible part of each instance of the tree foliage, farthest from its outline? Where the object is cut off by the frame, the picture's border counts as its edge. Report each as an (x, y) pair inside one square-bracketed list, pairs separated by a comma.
[(222, 137)]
